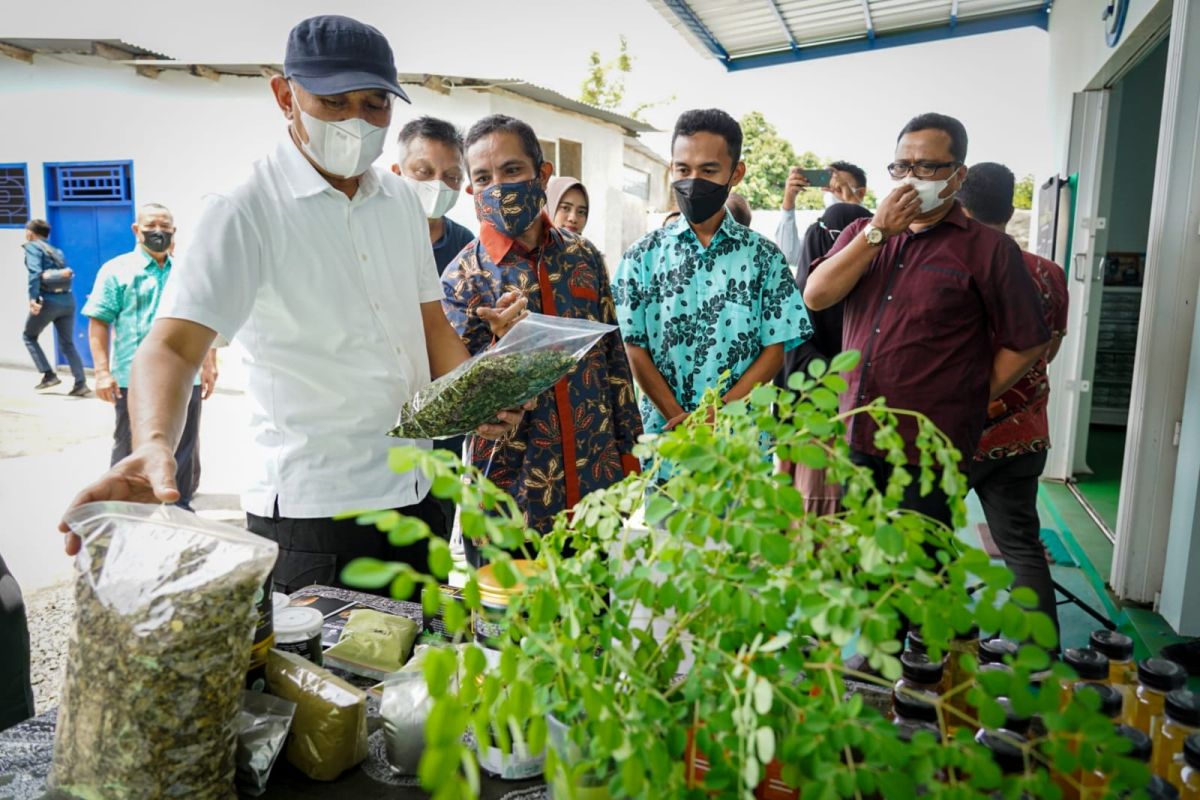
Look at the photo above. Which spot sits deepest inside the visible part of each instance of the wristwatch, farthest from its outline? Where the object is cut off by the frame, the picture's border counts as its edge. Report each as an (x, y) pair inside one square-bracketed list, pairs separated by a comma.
[(873, 235)]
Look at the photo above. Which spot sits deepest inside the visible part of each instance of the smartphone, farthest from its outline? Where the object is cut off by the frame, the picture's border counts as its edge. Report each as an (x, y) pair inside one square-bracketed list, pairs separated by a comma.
[(817, 178)]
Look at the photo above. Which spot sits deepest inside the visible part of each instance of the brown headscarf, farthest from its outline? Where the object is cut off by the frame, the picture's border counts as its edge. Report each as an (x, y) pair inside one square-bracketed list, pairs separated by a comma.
[(557, 187)]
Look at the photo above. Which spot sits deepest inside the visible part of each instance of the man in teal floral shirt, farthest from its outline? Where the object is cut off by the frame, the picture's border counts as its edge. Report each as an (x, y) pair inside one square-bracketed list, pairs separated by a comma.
[(705, 295)]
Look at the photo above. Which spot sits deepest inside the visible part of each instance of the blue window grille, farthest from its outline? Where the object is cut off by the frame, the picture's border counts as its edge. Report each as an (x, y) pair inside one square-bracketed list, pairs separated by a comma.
[(14, 196), (89, 183)]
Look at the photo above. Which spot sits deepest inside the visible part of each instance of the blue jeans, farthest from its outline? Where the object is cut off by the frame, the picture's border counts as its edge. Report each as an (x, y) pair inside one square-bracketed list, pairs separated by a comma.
[(57, 310)]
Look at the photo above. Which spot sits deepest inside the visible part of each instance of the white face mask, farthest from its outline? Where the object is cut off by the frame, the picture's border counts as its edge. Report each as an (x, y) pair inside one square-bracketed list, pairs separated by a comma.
[(345, 149), (436, 197), (929, 192)]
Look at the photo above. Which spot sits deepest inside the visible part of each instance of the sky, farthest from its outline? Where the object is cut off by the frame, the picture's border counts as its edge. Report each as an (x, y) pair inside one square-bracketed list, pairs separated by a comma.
[(848, 107)]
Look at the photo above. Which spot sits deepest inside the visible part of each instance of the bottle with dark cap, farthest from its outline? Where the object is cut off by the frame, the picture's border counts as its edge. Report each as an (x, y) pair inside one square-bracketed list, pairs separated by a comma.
[(1111, 700), (993, 651), (1181, 719), (1140, 749), (962, 644), (1006, 747), (1156, 789), (1156, 677), (916, 711), (1122, 671), (1012, 720), (1088, 664), (1189, 776)]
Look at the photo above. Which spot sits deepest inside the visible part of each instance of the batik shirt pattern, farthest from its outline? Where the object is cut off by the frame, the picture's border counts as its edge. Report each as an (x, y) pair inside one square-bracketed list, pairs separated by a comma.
[(702, 311)]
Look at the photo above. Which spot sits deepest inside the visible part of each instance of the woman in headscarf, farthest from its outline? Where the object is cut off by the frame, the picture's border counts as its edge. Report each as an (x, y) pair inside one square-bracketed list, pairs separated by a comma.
[(567, 202), (820, 497)]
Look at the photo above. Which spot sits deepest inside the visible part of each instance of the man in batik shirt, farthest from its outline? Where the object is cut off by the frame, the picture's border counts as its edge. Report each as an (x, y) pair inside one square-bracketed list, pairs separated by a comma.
[(704, 295), (580, 437), (1012, 453)]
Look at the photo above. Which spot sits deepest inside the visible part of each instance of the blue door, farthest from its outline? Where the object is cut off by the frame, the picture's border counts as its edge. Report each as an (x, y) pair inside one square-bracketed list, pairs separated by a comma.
[(89, 206)]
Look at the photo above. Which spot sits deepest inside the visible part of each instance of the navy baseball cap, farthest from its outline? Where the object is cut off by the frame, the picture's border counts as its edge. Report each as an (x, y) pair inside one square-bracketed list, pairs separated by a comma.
[(333, 54)]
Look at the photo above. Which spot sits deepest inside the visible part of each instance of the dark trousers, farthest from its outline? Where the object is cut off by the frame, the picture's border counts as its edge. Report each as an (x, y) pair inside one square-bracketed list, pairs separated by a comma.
[(16, 692), (187, 454), (316, 550), (935, 504), (57, 310), (1007, 489)]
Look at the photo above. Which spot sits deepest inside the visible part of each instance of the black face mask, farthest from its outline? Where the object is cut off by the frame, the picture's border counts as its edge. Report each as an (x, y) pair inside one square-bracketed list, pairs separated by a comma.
[(156, 241), (699, 199)]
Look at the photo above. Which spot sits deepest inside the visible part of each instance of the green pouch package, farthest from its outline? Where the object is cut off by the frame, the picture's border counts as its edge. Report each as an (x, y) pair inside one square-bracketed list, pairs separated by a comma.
[(329, 730), (373, 644)]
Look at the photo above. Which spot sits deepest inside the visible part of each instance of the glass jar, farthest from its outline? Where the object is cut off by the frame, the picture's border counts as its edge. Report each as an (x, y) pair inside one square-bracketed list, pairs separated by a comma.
[(1181, 718), (915, 706), (1122, 671), (1140, 749), (1158, 789), (1111, 700), (918, 673), (956, 675), (1006, 747), (1013, 722), (488, 623), (1156, 677), (1189, 776), (994, 651)]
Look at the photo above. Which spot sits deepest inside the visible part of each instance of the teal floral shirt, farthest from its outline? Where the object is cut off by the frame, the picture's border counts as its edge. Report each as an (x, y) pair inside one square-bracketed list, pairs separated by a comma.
[(126, 295), (700, 311)]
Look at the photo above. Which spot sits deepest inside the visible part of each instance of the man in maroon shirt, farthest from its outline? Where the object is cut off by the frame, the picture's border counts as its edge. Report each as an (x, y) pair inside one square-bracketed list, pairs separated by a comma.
[(941, 307), (1012, 453)]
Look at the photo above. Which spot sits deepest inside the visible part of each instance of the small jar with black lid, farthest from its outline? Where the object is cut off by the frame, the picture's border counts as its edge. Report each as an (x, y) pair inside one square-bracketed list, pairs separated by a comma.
[(1156, 677), (916, 711), (1181, 719), (1189, 776), (1122, 671), (1140, 749), (1012, 721), (995, 651), (1111, 700), (1006, 747)]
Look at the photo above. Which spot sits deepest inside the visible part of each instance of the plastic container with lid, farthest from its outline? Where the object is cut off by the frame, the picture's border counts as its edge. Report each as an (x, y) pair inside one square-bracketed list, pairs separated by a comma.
[(264, 636), (994, 651), (1140, 749), (1006, 747), (1189, 776), (1156, 677), (1111, 700), (298, 630), (1122, 671), (1181, 719), (488, 625)]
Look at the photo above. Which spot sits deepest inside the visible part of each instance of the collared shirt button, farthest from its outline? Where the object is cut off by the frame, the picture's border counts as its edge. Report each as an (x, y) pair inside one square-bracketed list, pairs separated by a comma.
[(889, 297), (877, 330), (364, 256), (400, 350), (375, 306)]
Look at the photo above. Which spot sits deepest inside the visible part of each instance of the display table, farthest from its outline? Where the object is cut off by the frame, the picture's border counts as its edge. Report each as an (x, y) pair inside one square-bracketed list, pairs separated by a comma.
[(26, 749)]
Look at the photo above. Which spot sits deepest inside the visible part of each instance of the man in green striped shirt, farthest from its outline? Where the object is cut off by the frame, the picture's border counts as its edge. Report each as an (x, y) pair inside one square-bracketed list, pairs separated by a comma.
[(121, 307)]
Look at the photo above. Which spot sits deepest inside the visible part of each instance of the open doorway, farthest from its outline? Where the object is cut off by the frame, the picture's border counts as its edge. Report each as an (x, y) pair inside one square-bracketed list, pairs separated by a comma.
[(1127, 188)]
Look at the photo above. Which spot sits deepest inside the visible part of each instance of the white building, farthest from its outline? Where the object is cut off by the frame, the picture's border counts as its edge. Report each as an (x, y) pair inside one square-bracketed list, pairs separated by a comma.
[(94, 128)]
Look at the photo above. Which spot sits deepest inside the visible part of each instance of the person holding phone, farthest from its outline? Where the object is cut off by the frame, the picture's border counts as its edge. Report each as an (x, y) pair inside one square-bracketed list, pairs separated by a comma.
[(841, 182)]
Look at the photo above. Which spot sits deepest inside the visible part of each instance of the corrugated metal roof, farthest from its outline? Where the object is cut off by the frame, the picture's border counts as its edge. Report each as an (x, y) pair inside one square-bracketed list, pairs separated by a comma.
[(106, 48), (752, 33)]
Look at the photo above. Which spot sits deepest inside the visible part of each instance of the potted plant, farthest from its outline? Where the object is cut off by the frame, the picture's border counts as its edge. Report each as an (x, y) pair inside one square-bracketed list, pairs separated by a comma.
[(705, 614)]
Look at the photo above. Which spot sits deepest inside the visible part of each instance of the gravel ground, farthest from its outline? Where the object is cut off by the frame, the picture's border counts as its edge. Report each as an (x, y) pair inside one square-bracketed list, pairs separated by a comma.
[(50, 612)]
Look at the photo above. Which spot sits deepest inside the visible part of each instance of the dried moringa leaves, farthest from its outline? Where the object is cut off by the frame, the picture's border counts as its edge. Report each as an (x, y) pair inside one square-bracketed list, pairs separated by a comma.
[(158, 655), (534, 355)]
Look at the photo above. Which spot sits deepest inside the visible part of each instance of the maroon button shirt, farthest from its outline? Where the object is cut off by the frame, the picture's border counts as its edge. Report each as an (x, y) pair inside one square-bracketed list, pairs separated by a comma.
[(926, 317)]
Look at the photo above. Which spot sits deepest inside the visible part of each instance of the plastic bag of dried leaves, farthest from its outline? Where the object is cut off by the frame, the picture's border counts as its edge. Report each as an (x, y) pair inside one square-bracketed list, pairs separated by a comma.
[(535, 354), (157, 660)]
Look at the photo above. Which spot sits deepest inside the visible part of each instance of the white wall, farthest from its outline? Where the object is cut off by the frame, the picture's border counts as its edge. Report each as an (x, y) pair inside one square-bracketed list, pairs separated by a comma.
[(188, 136)]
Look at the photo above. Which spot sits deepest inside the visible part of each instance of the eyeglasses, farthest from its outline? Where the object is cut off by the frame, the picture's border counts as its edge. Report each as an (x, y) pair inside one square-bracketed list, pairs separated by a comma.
[(921, 169)]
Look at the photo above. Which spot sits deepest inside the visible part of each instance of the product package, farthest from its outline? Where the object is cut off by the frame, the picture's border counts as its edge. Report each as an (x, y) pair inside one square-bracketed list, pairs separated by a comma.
[(263, 725), (373, 644), (534, 355), (164, 622), (329, 731), (405, 707)]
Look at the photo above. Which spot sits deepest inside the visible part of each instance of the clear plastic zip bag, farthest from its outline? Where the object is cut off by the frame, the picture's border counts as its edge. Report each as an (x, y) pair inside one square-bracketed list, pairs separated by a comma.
[(535, 354), (164, 622)]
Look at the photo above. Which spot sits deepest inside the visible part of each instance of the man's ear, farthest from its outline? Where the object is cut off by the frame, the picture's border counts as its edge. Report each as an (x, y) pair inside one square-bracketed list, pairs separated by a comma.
[(545, 173), (396, 168), (470, 189), (739, 172), (283, 95)]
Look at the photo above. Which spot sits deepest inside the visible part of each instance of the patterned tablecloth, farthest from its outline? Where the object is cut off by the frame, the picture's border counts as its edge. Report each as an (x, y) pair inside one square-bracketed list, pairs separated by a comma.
[(26, 749)]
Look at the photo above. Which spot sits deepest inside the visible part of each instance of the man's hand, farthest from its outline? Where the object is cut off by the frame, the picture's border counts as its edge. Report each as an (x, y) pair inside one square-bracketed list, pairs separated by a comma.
[(510, 309), (506, 422), (898, 210), (796, 183), (208, 375), (35, 307), (147, 475), (106, 387)]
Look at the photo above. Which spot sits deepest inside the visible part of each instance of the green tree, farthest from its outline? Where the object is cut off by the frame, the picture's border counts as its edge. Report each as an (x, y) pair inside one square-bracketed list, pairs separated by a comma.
[(870, 200), (1023, 193), (768, 158), (604, 86)]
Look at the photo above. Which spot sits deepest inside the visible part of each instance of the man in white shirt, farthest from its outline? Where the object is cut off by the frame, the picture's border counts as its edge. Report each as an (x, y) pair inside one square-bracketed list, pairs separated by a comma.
[(320, 265)]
